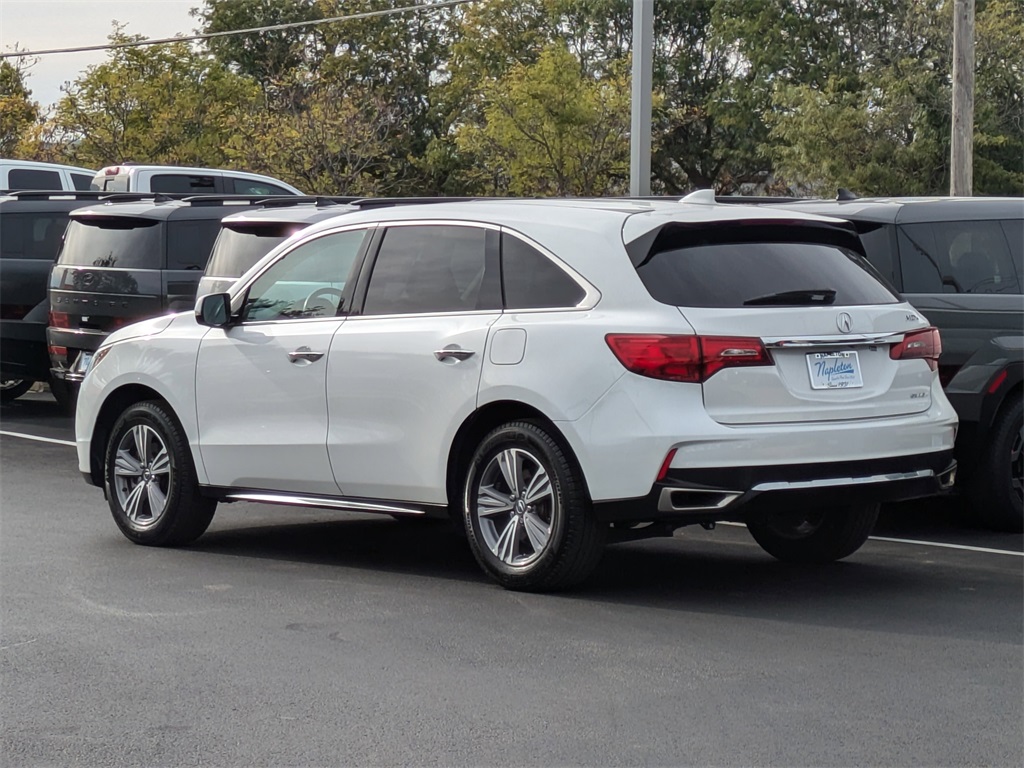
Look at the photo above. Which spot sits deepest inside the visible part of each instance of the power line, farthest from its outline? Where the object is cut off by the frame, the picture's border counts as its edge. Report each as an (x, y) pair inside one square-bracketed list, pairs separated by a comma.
[(273, 28)]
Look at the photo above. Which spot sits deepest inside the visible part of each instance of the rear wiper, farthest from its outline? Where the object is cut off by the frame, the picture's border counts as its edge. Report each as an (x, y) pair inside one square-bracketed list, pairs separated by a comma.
[(807, 296)]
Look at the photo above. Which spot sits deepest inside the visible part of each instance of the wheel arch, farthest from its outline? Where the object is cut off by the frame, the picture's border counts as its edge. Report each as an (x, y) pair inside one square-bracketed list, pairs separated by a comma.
[(481, 422), (116, 403)]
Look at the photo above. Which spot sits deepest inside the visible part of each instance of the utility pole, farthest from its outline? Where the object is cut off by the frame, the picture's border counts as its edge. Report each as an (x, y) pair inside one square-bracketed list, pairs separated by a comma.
[(961, 176), (640, 122)]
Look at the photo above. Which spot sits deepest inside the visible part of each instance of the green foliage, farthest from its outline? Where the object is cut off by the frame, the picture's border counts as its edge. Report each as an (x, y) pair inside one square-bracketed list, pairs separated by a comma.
[(162, 104), (18, 113), (554, 130)]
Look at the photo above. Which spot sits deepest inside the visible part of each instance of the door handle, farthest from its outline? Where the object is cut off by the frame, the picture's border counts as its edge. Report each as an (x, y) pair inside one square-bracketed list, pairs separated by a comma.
[(304, 354), (455, 353)]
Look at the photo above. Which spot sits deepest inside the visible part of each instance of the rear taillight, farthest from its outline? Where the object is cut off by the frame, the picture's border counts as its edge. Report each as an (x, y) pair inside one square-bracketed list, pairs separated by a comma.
[(685, 358), (60, 320), (925, 345)]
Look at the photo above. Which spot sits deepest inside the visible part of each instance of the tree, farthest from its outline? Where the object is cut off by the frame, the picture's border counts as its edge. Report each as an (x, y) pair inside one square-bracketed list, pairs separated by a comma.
[(157, 104), (18, 112), (552, 130)]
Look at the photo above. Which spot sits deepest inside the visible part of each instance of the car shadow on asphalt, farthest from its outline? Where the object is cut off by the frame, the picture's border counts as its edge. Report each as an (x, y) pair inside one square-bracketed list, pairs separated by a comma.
[(910, 594)]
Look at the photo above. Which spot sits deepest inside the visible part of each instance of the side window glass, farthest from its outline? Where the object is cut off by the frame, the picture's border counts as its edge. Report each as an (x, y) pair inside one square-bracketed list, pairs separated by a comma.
[(189, 243), (81, 181), (1014, 231), (432, 269), (22, 178), (964, 256), (308, 281), (182, 183), (531, 280), (247, 187)]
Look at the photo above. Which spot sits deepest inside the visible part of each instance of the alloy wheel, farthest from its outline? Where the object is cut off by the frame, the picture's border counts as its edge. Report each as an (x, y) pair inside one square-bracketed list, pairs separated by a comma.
[(142, 476), (515, 507)]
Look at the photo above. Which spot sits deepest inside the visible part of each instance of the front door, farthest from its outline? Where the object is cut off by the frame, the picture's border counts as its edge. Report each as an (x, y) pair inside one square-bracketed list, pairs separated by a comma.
[(261, 383)]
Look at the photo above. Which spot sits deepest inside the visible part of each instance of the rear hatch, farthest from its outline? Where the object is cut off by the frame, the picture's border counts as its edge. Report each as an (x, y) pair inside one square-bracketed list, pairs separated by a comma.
[(108, 273), (809, 329)]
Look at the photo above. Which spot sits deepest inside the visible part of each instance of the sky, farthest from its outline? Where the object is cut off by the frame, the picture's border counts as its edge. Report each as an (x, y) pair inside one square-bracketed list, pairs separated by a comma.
[(39, 24)]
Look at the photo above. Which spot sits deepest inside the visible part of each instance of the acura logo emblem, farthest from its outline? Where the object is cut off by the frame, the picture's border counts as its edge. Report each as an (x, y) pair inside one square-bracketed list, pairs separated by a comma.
[(844, 321)]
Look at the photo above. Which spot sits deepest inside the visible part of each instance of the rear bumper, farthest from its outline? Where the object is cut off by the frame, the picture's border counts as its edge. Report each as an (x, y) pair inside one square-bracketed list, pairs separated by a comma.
[(740, 493), (65, 347)]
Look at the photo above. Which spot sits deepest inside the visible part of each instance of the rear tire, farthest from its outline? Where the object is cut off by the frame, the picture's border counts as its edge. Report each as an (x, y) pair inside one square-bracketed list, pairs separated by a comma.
[(12, 389), (150, 480), (527, 514), (813, 536), (998, 490)]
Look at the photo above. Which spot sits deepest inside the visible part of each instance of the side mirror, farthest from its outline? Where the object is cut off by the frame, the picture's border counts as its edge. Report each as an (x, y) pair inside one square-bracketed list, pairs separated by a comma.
[(214, 310)]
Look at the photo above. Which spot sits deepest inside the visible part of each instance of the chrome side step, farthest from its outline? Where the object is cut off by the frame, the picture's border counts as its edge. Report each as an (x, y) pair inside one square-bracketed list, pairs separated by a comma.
[(325, 502)]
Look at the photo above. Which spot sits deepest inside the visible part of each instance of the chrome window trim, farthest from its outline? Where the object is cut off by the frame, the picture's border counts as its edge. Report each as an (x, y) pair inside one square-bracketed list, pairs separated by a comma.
[(839, 339)]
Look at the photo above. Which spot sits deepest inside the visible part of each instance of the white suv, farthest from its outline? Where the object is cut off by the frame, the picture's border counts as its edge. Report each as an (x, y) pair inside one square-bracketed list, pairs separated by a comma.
[(553, 374)]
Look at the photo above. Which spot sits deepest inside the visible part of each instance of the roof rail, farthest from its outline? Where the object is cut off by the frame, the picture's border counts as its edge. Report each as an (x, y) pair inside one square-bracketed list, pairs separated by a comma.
[(319, 200), (135, 197), (756, 199), (49, 194), (384, 202)]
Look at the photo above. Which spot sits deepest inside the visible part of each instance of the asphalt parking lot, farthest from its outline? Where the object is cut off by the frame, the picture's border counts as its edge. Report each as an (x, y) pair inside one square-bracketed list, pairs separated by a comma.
[(299, 637)]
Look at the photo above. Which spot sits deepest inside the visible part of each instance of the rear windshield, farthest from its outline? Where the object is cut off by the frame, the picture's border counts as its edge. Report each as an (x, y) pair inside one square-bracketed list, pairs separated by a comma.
[(131, 243), (238, 248), (759, 266), (32, 235)]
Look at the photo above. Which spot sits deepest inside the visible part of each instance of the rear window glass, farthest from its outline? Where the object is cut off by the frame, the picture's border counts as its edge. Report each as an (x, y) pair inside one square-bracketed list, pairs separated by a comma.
[(237, 249), (31, 235), (133, 243), (189, 243), (723, 268), (176, 182), (23, 178)]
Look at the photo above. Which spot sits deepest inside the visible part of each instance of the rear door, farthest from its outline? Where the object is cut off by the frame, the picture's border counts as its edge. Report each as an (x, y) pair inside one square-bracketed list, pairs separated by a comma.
[(405, 372), (826, 320)]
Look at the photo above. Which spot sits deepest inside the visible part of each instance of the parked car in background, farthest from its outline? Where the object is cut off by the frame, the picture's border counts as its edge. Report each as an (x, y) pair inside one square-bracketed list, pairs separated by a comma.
[(30, 174), (248, 236), (32, 226), (960, 261), (125, 261), (129, 177), (553, 373)]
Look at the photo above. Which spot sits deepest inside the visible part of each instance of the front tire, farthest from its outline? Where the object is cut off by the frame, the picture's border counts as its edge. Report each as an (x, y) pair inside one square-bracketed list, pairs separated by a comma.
[(815, 536), (999, 487), (150, 480), (526, 511)]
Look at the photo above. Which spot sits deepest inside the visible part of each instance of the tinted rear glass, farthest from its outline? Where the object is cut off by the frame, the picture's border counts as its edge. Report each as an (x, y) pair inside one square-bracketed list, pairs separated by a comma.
[(31, 235), (723, 268), (238, 249), (128, 243)]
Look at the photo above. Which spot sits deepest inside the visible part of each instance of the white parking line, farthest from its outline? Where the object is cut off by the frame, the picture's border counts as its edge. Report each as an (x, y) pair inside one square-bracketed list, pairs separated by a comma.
[(941, 544), (37, 437), (949, 546)]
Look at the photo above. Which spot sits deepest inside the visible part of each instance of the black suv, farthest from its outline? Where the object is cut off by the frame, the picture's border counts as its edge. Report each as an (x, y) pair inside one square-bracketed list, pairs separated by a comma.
[(960, 261), (127, 261), (32, 225)]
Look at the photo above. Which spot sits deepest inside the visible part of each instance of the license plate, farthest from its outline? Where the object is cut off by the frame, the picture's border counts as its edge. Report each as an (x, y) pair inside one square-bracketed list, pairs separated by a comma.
[(84, 361), (834, 370)]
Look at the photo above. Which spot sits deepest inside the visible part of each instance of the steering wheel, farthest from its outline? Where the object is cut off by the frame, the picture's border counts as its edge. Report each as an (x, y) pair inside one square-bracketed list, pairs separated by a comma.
[(323, 293)]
